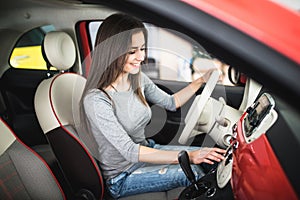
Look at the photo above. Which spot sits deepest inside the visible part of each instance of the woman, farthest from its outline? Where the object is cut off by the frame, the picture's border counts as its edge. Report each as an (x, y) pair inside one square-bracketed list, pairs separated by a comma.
[(115, 111)]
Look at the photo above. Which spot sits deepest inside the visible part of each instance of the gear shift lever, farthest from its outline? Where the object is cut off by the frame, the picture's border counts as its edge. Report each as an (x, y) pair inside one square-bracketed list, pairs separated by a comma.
[(184, 162)]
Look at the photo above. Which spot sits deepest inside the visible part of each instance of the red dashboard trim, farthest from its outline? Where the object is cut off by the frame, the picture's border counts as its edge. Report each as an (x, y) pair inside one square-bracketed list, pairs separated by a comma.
[(257, 173)]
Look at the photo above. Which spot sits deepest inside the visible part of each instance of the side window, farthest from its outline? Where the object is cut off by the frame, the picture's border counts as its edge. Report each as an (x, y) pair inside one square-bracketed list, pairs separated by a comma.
[(174, 56), (27, 53)]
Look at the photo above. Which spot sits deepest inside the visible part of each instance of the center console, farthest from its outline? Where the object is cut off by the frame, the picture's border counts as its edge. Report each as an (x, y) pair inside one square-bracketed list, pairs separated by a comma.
[(257, 119)]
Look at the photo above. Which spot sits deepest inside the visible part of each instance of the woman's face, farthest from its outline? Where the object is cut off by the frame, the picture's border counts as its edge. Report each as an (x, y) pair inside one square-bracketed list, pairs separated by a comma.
[(136, 54)]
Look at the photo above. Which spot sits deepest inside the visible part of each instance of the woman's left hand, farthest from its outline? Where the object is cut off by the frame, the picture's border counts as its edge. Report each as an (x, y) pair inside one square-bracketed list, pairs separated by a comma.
[(196, 84)]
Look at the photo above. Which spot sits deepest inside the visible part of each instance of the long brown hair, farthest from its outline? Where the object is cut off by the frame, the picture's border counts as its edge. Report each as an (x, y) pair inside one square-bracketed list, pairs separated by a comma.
[(113, 42)]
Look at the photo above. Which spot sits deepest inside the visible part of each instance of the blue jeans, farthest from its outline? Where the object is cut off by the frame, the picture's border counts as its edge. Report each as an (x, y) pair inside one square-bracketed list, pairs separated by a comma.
[(144, 177)]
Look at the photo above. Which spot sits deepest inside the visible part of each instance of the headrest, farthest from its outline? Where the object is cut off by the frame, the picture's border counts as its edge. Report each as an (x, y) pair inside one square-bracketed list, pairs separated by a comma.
[(59, 49)]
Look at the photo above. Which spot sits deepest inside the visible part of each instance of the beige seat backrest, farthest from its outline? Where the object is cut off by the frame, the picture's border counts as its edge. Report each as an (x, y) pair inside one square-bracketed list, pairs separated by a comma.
[(56, 100)]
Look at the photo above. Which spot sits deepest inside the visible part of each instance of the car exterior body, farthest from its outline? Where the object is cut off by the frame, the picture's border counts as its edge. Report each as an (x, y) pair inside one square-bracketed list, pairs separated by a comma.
[(259, 39)]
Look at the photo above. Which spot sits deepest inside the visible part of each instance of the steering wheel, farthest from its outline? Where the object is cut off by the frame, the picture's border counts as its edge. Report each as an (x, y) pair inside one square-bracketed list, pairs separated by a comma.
[(197, 108)]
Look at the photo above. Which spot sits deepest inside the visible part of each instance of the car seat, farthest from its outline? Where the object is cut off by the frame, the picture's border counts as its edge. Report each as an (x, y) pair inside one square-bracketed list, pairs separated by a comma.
[(23, 173), (55, 101)]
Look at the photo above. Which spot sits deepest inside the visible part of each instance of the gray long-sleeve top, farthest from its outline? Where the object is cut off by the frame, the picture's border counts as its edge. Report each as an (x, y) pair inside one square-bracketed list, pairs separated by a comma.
[(118, 126)]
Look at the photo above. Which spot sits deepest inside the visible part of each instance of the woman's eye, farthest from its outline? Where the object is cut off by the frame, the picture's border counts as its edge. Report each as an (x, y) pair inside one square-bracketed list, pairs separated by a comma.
[(131, 52), (134, 51)]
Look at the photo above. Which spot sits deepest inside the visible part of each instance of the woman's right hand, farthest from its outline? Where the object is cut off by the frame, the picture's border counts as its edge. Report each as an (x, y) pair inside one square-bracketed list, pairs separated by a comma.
[(207, 155)]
